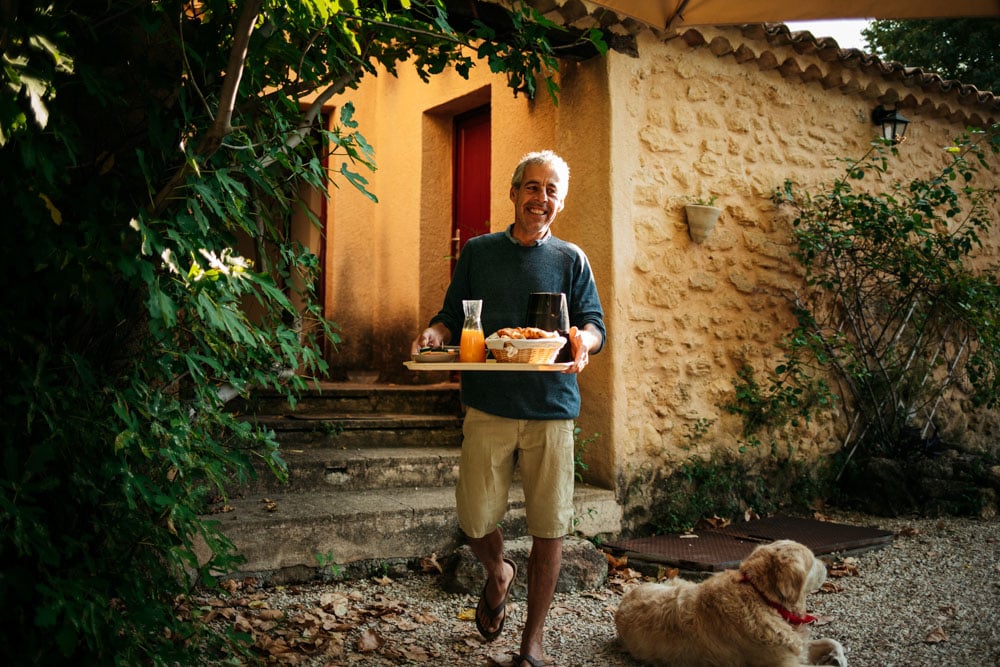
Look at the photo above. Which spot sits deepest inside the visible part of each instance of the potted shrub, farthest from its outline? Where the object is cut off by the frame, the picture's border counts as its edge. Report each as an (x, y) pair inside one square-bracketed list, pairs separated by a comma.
[(702, 215)]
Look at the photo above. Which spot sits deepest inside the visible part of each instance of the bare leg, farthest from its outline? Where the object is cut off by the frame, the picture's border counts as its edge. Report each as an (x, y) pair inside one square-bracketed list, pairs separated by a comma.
[(489, 551), (544, 564)]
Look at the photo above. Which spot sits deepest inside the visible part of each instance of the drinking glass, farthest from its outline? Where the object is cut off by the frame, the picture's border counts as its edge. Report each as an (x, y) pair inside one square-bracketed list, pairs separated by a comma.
[(548, 310)]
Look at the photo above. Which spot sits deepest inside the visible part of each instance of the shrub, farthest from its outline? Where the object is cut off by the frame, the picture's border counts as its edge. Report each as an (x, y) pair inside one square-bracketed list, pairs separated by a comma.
[(892, 308)]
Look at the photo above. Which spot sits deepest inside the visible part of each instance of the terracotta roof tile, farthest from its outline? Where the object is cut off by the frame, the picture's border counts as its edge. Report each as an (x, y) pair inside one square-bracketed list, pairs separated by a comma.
[(802, 55)]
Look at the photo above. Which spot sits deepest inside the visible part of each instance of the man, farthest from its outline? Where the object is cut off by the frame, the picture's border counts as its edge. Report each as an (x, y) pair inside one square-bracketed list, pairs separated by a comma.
[(520, 416)]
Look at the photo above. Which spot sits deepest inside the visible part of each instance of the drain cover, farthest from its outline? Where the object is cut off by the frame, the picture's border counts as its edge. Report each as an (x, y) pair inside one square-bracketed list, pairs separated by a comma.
[(716, 549)]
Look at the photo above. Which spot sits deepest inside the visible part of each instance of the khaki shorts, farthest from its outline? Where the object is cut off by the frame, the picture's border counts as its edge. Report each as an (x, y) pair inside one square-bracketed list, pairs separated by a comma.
[(486, 468)]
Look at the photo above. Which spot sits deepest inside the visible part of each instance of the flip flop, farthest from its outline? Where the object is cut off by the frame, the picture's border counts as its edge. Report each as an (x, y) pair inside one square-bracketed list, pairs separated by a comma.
[(492, 614), (531, 660)]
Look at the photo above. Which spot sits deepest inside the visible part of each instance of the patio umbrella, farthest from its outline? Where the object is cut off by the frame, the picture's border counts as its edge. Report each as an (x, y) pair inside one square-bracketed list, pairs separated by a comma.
[(674, 13)]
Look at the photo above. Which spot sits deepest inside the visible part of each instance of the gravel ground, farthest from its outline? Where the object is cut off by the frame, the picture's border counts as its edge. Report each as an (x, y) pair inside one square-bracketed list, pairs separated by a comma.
[(930, 599)]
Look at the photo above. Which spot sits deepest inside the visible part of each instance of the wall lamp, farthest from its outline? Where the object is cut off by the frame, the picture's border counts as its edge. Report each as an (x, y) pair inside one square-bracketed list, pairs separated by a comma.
[(892, 123)]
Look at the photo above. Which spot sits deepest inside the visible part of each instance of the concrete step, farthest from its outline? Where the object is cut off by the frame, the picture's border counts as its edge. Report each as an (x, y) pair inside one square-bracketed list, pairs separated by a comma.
[(318, 469), (352, 430), (297, 536), (372, 472)]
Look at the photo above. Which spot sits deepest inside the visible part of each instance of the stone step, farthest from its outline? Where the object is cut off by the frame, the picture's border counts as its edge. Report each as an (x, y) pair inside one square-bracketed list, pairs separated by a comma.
[(345, 430), (298, 536), (372, 472), (348, 398), (317, 469)]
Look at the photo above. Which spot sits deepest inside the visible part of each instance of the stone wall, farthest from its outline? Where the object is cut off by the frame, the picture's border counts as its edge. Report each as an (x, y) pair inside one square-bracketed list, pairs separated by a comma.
[(693, 123)]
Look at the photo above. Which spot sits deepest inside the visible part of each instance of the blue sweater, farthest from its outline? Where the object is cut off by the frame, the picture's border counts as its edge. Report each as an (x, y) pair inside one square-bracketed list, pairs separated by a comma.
[(503, 273)]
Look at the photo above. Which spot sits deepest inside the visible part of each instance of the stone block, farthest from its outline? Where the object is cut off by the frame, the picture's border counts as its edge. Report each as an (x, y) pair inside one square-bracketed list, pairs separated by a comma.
[(584, 568)]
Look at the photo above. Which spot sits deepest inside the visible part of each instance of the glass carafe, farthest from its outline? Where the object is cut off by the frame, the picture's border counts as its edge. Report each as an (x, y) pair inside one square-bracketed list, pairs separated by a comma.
[(473, 343)]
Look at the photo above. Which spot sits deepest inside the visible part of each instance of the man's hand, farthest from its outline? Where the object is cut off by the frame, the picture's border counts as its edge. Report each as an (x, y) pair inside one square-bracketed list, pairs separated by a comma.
[(582, 341), (436, 335)]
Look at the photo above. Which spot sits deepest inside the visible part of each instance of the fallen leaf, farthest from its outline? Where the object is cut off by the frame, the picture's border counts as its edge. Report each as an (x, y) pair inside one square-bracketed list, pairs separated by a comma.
[(615, 562), (717, 522), (467, 614), (382, 581), (274, 647), (830, 587), (947, 610), (416, 653), (369, 641), (404, 624), (269, 504), (664, 573), (936, 636), (425, 618), (847, 567), (333, 646), (264, 626), (431, 564), (242, 624), (595, 595), (628, 574), (335, 603)]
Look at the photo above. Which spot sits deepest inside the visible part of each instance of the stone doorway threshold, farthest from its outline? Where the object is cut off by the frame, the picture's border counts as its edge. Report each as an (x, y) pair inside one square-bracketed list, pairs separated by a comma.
[(716, 549)]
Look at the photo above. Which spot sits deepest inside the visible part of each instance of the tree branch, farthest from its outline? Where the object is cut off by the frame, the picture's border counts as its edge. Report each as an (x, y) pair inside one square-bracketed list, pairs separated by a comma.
[(222, 123)]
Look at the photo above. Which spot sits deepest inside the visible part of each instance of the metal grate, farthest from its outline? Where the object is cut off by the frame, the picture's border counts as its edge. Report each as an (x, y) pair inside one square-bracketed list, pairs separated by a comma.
[(716, 549)]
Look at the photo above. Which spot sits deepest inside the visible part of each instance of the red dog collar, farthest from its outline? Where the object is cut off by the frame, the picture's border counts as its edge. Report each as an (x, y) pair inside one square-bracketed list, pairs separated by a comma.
[(789, 616)]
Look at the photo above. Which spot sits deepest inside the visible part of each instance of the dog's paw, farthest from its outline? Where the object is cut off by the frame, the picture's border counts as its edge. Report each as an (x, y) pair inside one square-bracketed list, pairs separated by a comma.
[(827, 652)]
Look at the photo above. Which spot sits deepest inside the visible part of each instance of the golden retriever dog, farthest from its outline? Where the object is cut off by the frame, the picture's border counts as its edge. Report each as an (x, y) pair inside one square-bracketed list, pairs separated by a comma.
[(751, 617)]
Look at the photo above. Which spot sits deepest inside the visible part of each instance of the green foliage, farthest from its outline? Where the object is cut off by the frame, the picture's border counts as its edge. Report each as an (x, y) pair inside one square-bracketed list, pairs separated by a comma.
[(702, 201), (892, 306), (793, 392), (150, 175), (962, 49), (580, 450), (699, 429), (730, 485)]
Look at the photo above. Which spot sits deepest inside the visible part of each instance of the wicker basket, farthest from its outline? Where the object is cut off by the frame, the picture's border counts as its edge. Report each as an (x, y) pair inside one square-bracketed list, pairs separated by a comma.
[(525, 350)]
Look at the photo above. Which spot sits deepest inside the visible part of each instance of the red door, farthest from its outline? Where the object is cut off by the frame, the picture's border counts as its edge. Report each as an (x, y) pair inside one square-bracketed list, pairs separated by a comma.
[(471, 196)]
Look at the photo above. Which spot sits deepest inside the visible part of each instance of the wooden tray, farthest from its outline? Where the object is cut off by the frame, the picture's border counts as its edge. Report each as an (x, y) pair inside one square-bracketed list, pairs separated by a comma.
[(482, 366)]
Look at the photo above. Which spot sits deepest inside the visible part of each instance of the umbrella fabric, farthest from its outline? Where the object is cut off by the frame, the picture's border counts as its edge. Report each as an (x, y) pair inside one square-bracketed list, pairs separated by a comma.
[(674, 13)]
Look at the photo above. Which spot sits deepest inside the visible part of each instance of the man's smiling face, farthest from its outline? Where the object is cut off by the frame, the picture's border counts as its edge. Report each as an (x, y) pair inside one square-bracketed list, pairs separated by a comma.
[(536, 202)]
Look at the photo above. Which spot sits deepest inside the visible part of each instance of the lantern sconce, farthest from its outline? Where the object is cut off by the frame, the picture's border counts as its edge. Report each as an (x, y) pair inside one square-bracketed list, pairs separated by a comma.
[(892, 123)]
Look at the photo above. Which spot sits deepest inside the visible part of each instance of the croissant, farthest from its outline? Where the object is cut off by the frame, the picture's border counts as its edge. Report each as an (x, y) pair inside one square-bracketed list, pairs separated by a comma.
[(528, 333)]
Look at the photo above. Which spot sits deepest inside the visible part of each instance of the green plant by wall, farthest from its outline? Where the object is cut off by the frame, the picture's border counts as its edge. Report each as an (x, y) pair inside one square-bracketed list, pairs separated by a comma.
[(579, 451), (892, 308), (792, 394), (703, 201), (727, 485)]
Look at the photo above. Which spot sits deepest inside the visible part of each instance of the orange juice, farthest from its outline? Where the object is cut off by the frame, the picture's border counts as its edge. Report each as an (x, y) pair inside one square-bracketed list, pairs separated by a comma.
[(472, 346)]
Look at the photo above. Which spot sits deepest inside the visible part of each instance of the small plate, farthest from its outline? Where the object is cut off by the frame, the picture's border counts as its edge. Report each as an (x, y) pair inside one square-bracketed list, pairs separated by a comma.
[(437, 356)]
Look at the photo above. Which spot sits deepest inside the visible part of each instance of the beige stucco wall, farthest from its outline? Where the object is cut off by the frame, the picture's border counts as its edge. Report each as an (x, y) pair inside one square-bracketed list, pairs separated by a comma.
[(641, 135), (388, 264)]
